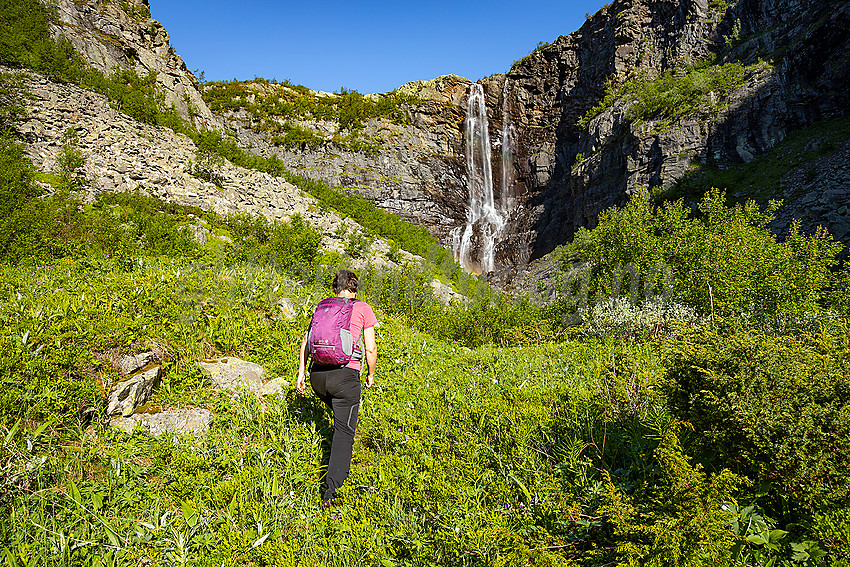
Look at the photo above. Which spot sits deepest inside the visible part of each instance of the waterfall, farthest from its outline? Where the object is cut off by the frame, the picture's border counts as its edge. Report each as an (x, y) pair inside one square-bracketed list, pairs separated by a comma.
[(475, 247)]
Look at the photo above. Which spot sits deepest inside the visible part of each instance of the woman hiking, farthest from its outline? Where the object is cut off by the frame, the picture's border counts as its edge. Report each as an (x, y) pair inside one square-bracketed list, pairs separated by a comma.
[(335, 368)]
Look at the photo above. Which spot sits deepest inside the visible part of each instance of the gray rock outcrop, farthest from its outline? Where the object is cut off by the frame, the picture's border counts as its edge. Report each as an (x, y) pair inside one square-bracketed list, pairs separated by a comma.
[(141, 373), (121, 35), (133, 392), (186, 421), (234, 374)]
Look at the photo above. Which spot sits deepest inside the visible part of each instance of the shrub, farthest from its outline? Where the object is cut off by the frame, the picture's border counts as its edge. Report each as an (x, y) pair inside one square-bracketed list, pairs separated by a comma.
[(675, 516), (773, 408), (689, 91), (621, 318), (21, 227), (725, 261)]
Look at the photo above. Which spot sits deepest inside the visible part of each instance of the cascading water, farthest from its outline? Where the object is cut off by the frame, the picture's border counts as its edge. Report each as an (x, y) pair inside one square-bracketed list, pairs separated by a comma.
[(475, 247)]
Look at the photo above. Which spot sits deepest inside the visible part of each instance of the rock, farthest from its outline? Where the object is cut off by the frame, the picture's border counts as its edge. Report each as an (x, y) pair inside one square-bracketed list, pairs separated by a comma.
[(122, 35), (198, 233), (445, 294), (277, 386), (128, 395), (233, 374), (183, 421), (132, 363)]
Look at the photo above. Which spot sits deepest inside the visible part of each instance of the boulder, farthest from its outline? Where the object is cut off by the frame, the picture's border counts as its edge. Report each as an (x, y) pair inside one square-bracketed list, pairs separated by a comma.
[(181, 421), (231, 373), (133, 392), (132, 363), (277, 387)]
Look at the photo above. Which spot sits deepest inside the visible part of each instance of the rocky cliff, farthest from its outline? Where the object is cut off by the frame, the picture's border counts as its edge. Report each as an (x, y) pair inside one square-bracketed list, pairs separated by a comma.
[(417, 170), (571, 173), (113, 34)]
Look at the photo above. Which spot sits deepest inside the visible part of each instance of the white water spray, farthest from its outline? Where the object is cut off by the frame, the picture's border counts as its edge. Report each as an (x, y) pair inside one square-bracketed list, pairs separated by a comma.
[(484, 221)]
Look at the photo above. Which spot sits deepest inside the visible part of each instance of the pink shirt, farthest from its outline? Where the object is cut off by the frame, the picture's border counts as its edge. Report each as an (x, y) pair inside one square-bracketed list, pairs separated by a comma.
[(362, 317)]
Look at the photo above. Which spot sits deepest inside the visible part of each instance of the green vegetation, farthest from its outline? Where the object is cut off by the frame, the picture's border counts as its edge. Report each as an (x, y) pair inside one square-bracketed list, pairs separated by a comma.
[(724, 262), (697, 90), (272, 108), (708, 426), (26, 23), (761, 178), (39, 229), (492, 437)]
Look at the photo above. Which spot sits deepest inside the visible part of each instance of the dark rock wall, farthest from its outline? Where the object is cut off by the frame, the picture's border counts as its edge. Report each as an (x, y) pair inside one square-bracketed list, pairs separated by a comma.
[(807, 41)]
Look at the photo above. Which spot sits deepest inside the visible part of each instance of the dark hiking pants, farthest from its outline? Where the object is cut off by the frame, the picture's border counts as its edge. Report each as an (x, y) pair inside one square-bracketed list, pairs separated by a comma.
[(339, 388)]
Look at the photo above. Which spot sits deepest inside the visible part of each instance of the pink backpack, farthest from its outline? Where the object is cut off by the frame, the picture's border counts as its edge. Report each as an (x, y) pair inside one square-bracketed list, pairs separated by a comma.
[(329, 340)]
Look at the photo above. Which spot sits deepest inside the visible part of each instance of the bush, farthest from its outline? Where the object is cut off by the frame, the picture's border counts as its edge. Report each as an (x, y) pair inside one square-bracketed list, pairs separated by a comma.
[(773, 408), (725, 261), (21, 227), (675, 516), (690, 91), (623, 319)]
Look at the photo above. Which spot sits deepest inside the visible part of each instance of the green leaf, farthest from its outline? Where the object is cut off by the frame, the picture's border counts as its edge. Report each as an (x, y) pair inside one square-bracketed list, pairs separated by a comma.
[(74, 493), (190, 513), (521, 487), (776, 535), (11, 433)]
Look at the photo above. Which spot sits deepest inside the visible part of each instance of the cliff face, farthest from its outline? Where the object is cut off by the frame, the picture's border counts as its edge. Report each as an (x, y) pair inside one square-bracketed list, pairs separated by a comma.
[(417, 172), (570, 173), (561, 175), (114, 35)]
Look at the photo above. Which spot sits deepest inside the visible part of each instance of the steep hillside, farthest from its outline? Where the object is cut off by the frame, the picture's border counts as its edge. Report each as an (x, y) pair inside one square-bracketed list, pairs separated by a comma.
[(410, 163), (113, 34)]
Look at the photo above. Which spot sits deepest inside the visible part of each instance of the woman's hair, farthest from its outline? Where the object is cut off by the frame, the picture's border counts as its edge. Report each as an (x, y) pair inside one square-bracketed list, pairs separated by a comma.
[(345, 279)]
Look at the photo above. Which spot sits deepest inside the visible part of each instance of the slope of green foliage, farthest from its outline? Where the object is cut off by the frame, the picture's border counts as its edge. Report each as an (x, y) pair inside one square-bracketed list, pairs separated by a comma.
[(492, 437), (485, 456), (274, 110), (698, 90)]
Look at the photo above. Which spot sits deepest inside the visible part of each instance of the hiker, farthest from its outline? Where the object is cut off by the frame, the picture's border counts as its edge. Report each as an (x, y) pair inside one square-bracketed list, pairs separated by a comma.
[(335, 381)]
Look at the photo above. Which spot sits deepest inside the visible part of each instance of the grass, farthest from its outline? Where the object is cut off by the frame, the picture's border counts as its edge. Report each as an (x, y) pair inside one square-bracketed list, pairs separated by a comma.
[(271, 107), (456, 453), (696, 90)]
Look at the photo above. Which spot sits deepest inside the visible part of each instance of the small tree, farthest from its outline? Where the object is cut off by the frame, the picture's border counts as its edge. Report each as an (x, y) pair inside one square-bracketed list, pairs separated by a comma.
[(70, 161)]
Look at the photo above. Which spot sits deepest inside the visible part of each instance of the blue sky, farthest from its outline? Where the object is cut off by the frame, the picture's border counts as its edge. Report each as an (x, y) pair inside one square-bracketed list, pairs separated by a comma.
[(368, 46)]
